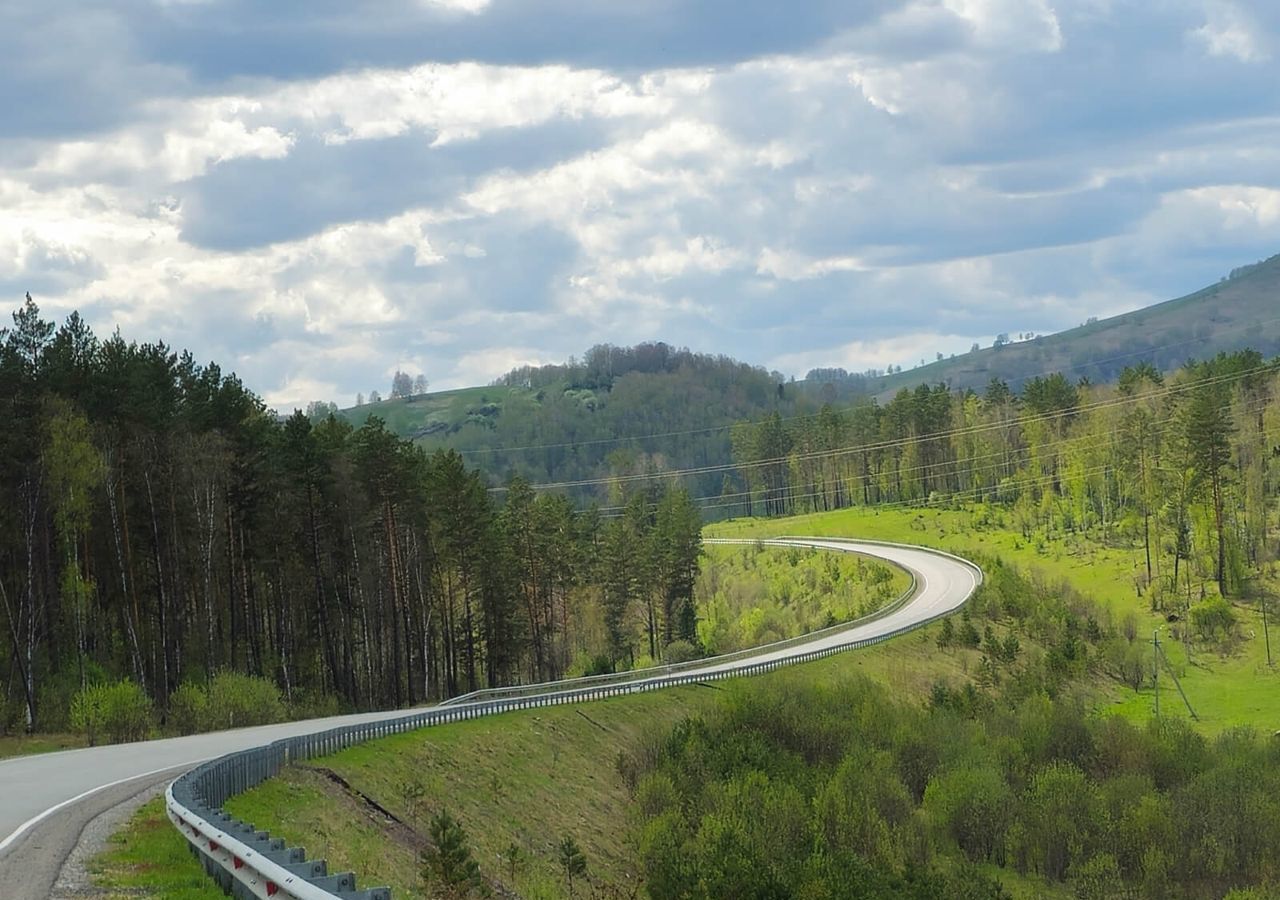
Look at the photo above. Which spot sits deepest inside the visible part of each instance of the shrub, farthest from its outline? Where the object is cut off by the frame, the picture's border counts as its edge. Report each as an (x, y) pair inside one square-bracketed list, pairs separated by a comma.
[(120, 711), (188, 708), (599, 665), (314, 705), (680, 651), (1213, 617), (55, 694), (236, 700)]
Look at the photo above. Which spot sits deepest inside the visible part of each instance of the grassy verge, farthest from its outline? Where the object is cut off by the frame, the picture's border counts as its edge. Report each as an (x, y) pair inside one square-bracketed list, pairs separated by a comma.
[(147, 858), (25, 745)]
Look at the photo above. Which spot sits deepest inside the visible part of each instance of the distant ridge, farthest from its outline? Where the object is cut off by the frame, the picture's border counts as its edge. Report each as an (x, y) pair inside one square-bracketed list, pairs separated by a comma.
[(1242, 310)]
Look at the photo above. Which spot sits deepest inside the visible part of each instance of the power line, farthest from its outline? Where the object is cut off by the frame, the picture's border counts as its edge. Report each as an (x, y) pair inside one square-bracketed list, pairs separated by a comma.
[(1166, 391), (956, 464), (798, 417)]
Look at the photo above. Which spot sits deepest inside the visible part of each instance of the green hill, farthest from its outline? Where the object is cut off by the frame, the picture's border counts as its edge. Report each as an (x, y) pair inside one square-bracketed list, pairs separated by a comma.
[(1242, 310), (617, 410), (621, 410)]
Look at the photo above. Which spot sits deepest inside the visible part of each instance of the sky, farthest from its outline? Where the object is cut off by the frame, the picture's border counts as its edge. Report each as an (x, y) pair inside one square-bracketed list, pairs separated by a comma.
[(316, 193)]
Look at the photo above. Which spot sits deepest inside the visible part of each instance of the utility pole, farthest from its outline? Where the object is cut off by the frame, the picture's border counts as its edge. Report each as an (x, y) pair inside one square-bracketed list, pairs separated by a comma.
[(1266, 633), (1155, 669)]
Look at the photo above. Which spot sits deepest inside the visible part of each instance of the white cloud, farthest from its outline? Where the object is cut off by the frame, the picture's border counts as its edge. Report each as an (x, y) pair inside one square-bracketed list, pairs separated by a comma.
[(1229, 31), (1011, 24), (788, 265), (464, 6), (956, 169), (905, 350), (457, 101)]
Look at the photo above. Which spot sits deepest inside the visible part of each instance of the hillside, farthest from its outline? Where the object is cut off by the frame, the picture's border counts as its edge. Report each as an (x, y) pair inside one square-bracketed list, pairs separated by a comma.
[(1239, 311), (621, 409), (618, 410)]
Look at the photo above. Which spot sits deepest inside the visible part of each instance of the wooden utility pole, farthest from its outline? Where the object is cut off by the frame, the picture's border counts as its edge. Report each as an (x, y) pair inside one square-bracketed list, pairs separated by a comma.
[(1266, 632), (1155, 669)]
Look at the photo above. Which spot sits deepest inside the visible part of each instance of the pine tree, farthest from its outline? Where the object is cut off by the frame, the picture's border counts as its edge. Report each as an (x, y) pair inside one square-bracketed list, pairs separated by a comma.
[(572, 861), (447, 862)]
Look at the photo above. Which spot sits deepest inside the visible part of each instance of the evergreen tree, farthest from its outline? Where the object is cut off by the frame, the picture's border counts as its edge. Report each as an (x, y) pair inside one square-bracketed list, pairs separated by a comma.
[(447, 862)]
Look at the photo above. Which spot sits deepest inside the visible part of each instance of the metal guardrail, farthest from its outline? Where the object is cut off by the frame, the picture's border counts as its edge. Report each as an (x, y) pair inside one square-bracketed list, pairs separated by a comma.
[(248, 863), (673, 668)]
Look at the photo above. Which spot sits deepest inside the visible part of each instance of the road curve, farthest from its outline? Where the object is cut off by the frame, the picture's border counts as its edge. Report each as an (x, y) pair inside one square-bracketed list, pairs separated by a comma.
[(38, 792)]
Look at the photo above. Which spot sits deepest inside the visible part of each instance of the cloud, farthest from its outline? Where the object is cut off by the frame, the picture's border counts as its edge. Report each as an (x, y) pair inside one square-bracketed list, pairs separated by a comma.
[(315, 195), (1230, 31), (1025, 25)]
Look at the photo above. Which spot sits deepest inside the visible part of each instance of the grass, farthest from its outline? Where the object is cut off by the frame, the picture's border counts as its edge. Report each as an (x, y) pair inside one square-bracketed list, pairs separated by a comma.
[(748, 595), (147, 858), (25, 745), (413, 416), (1226, 690)]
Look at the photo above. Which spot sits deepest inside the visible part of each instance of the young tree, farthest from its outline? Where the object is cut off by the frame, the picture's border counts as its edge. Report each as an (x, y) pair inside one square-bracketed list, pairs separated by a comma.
[(447, 862), (1207, 429), (572, 861)]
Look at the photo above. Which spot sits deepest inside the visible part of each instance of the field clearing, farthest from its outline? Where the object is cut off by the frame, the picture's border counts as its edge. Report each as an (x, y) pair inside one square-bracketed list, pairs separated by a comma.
[(1230, 690)]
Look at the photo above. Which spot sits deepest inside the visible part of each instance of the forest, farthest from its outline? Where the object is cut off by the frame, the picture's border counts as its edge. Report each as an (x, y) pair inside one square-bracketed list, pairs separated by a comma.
[(801, 790), (1182, 465), (159, 524), (800, 787)]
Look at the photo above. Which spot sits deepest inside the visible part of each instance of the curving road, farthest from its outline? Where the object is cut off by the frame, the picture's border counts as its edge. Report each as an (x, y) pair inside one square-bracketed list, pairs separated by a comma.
[(46, 800)]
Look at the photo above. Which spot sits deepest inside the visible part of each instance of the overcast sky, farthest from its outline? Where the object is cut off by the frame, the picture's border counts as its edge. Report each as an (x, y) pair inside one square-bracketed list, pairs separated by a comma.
[(318, 192)]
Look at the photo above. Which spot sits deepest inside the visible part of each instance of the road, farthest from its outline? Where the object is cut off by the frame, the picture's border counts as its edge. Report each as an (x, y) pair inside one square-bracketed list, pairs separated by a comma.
[(46, 799)]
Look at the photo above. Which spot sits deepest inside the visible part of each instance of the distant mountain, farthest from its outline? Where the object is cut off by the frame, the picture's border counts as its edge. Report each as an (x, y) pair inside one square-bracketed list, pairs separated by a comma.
[(1242, 310)]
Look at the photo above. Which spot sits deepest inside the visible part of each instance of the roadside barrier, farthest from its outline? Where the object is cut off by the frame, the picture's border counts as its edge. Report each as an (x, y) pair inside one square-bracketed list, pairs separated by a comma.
[(249, 863)]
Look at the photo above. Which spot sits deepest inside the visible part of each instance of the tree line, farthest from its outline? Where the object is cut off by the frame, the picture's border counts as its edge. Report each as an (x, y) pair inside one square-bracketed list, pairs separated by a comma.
[(158, 522), (1183, 465)]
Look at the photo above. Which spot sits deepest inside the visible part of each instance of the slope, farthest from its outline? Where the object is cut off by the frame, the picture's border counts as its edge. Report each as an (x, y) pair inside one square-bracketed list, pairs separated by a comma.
[(1242, 310)]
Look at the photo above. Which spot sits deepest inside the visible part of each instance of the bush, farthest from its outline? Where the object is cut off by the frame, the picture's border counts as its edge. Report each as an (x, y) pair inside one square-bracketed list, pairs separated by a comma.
[(599, 665), (188, 708), (236, 700), (120, 711), (314, 705), (679, 652), (55, 693), (12, 716), (1213, 617)]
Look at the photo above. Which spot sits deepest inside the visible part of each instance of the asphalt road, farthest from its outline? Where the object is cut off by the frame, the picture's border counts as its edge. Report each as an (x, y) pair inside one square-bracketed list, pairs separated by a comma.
[(47, 799)]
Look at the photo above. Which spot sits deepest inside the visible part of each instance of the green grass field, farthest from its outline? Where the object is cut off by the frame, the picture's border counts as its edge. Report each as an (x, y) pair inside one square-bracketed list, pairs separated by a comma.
[(1225, 690)]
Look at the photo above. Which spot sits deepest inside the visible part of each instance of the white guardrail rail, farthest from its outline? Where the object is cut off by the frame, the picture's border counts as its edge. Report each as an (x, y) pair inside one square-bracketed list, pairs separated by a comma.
[(249, 863)]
